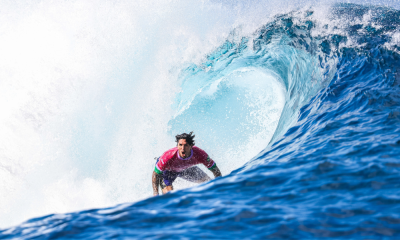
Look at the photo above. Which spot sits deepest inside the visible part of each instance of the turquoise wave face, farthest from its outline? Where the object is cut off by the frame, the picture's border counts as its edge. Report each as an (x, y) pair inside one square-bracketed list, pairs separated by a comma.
[(231, 115), (244, 98)]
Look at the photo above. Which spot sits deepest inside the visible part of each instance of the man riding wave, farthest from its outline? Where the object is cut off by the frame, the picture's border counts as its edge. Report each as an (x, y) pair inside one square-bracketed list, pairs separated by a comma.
[(180, 162)]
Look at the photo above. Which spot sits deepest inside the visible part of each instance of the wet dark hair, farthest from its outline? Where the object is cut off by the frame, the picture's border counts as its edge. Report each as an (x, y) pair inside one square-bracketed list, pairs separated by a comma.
[(188, 137)]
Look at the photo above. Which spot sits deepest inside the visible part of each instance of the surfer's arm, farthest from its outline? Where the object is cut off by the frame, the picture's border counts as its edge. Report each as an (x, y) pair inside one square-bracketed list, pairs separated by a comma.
[(212, 166), (156, 178), (215, 170)]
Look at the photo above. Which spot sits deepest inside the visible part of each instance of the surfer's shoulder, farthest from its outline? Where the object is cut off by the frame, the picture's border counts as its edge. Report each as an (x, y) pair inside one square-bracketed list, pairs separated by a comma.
[(197, 150), (170, 153)]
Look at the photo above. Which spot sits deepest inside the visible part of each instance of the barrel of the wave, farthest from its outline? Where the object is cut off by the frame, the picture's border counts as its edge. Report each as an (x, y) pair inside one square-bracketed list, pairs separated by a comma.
[(181, 161)]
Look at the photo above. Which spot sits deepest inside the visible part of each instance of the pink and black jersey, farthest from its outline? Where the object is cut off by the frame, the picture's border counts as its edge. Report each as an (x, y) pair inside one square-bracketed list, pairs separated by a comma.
[(171, 161)]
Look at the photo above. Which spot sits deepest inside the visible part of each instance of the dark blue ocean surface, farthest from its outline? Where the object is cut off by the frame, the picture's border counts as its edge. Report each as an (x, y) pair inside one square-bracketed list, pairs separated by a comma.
[(332, 168)]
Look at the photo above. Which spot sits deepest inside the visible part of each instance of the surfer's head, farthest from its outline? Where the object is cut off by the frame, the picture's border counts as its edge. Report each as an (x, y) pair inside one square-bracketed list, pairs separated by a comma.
[(185, 143), (188, 137)]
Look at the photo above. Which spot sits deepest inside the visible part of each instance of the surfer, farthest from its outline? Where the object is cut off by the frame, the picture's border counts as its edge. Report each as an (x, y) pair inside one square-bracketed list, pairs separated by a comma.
[(180, 162)]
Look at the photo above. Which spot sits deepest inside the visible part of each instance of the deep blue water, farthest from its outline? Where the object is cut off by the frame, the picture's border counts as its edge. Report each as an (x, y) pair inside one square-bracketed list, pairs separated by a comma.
[(331, 169)]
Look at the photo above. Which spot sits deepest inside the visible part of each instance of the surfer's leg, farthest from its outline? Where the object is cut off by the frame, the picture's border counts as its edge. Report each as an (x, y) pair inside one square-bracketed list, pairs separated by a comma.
[(166, 183), (194, 174)]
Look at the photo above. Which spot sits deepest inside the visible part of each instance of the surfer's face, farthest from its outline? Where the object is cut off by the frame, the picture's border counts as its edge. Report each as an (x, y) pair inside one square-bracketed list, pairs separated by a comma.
[(184, 148)]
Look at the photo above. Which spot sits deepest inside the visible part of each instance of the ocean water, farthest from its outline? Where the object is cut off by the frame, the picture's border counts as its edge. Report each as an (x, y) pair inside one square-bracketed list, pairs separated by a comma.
[(298, 103)]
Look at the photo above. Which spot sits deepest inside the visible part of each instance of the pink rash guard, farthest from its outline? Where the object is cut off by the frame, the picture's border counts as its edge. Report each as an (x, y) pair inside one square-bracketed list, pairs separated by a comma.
[(171, 161)]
